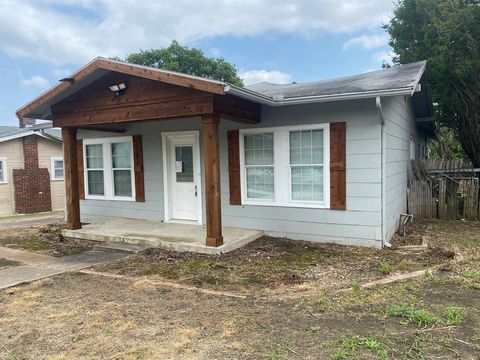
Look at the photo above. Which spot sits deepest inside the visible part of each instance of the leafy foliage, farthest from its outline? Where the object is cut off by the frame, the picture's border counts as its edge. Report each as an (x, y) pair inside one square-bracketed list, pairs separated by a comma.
[(188, 61), (447, 34), (447, 146)]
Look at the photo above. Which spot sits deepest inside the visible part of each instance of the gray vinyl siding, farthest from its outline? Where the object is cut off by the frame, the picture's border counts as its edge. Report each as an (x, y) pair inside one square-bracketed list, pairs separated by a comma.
[(399, 129), (153, 207), (360, 224)]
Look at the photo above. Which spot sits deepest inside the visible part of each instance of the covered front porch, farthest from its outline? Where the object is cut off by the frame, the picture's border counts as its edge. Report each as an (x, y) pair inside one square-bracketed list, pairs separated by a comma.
[(169, 236), (87, 102)]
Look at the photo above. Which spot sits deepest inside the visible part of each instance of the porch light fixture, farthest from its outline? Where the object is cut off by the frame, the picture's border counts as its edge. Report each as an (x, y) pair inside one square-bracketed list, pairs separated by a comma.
[(118, 89)]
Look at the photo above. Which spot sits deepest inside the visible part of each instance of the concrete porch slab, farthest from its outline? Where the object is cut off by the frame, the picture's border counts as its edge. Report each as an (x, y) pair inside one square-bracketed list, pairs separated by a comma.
[(170, 236)]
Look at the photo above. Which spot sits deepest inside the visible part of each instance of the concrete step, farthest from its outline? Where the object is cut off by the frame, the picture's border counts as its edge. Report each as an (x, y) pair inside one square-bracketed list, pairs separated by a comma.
[(120, 247)]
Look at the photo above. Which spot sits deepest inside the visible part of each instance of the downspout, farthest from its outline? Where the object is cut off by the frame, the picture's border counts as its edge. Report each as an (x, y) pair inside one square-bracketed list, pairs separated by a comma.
[(378, 103)]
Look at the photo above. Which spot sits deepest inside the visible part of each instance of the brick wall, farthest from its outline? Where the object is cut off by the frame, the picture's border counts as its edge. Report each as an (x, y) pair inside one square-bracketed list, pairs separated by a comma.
[(32, 184)]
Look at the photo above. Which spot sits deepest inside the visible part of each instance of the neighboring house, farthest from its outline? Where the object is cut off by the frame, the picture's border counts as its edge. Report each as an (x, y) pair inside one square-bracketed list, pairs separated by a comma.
[(31, 170), (322, 161)]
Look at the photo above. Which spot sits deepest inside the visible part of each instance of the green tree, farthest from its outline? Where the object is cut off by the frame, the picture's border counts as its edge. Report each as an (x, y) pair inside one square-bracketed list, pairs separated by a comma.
[(447, 34), (188, 61), (447, 146)]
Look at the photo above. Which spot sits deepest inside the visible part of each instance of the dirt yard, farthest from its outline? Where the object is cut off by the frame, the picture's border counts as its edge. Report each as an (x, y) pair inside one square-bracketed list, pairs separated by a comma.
[(44, 239), (307, 303)]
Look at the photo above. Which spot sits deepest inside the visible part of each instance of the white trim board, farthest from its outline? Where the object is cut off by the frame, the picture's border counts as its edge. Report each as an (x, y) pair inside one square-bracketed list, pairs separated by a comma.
[(198, 175), (282, 167), (107, 168)]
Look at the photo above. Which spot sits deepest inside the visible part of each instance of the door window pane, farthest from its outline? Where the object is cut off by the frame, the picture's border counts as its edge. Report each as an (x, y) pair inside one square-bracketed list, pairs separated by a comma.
[(259, 158), (184, 163)]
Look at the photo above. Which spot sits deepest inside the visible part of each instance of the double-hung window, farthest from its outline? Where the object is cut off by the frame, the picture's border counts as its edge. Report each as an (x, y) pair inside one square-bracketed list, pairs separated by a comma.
[(259, 166), (306, 165), (3, 170), (286, 166), (109, 168), (56, 168)]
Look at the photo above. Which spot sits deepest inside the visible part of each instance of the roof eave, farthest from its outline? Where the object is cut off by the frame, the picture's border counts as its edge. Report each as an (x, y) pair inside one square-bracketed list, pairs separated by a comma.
[(267, 100)]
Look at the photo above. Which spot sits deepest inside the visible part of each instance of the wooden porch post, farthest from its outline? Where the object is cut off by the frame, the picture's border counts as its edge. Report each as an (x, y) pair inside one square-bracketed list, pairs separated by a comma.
[(212, 179), (69, 136)]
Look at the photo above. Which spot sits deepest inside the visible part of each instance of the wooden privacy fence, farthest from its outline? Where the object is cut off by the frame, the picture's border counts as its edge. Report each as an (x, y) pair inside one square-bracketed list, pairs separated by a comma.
[(443, 189)]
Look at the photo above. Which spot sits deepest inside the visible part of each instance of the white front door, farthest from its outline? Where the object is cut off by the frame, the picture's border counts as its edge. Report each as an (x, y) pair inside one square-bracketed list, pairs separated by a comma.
[(183, 176)]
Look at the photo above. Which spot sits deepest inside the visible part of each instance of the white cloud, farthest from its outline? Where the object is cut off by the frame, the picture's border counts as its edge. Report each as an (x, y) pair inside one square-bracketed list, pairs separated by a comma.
[(256, 76), (367, 41), (36, 81), (215, 51), (119, 27), (383, 56)]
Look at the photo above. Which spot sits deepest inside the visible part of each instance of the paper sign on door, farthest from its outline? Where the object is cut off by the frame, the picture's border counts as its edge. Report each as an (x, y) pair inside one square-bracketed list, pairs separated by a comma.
[(178, 166)]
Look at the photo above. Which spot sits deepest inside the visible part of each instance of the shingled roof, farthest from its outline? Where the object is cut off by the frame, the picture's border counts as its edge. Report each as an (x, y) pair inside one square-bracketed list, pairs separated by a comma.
[(13, 132), (395, 78)]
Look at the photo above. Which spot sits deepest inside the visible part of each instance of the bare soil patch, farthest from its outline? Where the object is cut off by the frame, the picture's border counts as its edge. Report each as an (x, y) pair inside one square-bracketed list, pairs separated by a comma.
[(86, 316), (272, 263), (79, 316), (416, 231), (45, 239)]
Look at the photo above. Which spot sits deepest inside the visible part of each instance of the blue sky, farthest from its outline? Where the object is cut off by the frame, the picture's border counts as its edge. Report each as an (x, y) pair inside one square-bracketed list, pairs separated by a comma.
[(43, 41)]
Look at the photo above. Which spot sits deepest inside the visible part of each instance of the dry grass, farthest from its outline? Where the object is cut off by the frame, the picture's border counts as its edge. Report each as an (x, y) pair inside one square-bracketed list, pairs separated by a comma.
[(271, 264), (45, 239), (86, 316)]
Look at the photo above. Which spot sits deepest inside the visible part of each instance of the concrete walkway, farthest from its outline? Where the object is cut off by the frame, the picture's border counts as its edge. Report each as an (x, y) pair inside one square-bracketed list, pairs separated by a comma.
[(36, 266), (13, 222)]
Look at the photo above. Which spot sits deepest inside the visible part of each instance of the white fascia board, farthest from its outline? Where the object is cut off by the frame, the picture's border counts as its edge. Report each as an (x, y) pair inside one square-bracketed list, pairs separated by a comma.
[(418, 78), (28, 133), (17, 135), (266, 100)]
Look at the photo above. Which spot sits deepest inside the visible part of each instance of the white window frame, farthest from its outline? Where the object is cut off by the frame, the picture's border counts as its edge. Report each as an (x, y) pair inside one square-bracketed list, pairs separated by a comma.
[(282, 168), (53, 159), (108, 168), (4, 170)]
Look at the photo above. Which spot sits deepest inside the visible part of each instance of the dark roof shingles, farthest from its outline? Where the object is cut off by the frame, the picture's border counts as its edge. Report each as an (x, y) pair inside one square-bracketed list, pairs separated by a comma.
[(397, 77)]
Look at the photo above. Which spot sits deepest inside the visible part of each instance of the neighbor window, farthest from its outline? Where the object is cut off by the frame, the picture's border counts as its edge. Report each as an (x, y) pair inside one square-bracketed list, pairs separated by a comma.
[(286, 166), (109, 168), (3, 170), (56, 168)]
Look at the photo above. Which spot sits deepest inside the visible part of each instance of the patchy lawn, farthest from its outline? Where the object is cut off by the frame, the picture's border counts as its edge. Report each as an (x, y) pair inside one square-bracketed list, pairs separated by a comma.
[(46, 239), (272, 263), (85, 316)]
